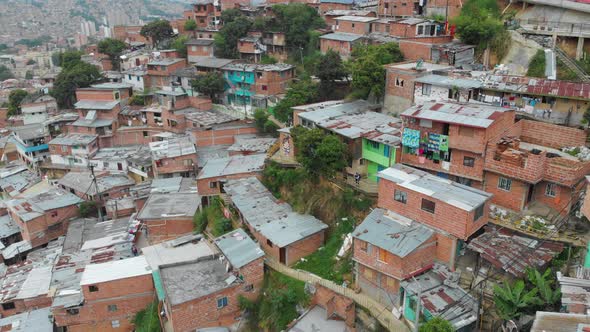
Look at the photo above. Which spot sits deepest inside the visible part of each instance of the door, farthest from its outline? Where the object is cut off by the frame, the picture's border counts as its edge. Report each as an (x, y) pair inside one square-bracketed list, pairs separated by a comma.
[(283, 255), (529, 195), (120, 166)]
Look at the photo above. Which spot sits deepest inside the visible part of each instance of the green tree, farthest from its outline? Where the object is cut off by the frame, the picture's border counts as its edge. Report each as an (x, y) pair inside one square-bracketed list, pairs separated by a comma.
[(367, 71), (513, 300), (329, 70), (479, 22), (537, 65), (264, 124), (190, 25), (545, 284), (318, 152), (302, 92), (210, 84), (79, 75), (235, 26), (296, 20), (5, 73), (147, 320), (137, 100), (69, 59), (113, 48), (179, 44), (29, 75), (437, 324), (268, 60), (15, 98), (157, 31), (31, 62), (586, 117), (88, 209)]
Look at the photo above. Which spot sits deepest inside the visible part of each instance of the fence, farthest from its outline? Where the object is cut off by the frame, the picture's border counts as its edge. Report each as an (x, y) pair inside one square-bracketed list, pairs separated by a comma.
[(377, 310)]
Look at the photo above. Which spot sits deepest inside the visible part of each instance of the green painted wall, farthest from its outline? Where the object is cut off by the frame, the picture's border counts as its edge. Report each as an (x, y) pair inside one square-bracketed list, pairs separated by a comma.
[(377, 155)]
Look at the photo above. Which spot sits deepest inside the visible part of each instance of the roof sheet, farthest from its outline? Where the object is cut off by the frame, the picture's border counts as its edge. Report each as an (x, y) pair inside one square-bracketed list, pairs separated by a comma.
[(115, 270), (467, 114), (209, 62), (82, 182), (35, 206), (249, 144), (276, 221), (73, 139), (96, 104), (209, 118), (7, 227), (258, 67), (232, 165), (447, 81), (238, 248), (392, 232), (319, 112), (537, 86), (30, 321), (364, 124), (96, 123), (341, 36), (352, 18), (450, 192), (186, 248), (170, 205), (560, 322), (172, 147)]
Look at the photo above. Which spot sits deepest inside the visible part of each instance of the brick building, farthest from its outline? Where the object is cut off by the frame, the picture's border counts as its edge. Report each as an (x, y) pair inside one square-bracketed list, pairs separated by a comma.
[(359, 25), (205, 13), (160, 71), (450, 139), (43, 217), (129, 34), (397, 8), (168, 216), (283, 234), (73, 149), (454, 211), (340, 42), (216, 172), (113, 293), (251, 48), (196, 48), (174, 157), (212, 286), (525, 166)]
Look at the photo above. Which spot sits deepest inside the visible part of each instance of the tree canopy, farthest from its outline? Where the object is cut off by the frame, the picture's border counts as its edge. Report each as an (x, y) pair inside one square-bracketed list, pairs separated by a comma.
[(264, 124), (479, 23), (157, 31), (75, 74), (113, 48), (319, 153), (15, 99), (330, 69), (5, 73), (69, 59), (437, 324), (235, 26), (210, 84), (296, 20), (301, 92), (190, 25), (179, 44), (367, 71)]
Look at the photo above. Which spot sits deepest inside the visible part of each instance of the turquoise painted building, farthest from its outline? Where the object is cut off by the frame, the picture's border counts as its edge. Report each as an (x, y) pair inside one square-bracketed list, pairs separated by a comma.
[(378, 157), (239, 86)]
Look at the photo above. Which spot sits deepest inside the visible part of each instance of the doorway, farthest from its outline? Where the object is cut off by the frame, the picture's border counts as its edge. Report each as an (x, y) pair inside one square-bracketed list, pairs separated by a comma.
[(283, 255)]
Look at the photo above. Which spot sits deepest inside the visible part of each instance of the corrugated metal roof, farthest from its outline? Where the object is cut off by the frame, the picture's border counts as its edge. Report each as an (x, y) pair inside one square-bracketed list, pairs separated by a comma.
[(173, 147), (450, 192), (96, 104), (115, 270), (353, 18), (170, 206), (392, 232), (467, 114), (341, 36), (238, 248), (73, 139), (447, 81), (232, 165), (537, 86), (275, 221), (363, 124)]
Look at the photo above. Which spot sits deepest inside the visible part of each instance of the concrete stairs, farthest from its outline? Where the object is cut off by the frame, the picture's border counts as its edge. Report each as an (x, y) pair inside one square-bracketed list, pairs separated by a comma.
[(572, 65)]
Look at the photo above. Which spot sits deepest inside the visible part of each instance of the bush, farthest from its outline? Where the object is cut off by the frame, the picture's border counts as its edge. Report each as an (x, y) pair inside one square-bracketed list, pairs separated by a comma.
[(221, 226), (88, 209), (147, 320), (537, 65), (137, 100)]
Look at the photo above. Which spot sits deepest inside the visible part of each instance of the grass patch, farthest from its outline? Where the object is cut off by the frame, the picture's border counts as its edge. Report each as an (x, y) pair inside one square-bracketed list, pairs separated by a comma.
[(564, 73), (276, 306), (147, 320), (537, 65), (323, 262), (211, 218)]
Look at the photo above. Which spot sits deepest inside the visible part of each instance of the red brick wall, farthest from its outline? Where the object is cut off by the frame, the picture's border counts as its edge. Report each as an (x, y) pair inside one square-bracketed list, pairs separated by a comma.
[(402, 30), (304, 247), (159, 230), (454, 6), (384, 282), (585, 209), (23, 305), (37, 230), (448, 218), (445, 249), (169, 69), (562, 200), (184, 317), (130, 32), (327, 6), (358, 28), (221, 135), (197, 50), (203, 184), (513, 199), (273, 83), (335, 304), (175, 165), (414, 50), (536, 132), (341, 47), (99, 94), (405, 91), (396, 8)]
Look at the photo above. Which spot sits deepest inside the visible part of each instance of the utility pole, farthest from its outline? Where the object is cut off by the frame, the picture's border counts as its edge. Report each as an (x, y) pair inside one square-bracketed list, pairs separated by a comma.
[(98, 200), (447, 18)]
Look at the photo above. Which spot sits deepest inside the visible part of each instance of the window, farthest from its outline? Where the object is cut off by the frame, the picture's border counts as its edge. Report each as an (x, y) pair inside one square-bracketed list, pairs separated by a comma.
[(187, 162), (92, 288), (112, 307), (115, 323), (138, 78), (363, 246), (269, 243), (353, 25), (194, 48), (399, 82), (373, 145), (258, 74), (400, 196), (478, 212), (368, 273), (117, 95), (390, 282), (105, 164), (386, 150), (213, 184), (145, 133), (8, 306), (425, 123), (53, 214), (264, 88), (383, 255), (129, 76), (73, 311), (504, 183), (550, 190), (468, 161), (222, 302), (426, 89), (428, 206)]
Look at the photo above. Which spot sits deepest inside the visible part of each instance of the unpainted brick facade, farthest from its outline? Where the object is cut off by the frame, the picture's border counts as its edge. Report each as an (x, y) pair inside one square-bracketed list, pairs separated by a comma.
[(51, 225)]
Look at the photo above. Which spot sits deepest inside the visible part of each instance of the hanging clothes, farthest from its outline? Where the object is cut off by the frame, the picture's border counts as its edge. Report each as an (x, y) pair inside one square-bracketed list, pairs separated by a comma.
[(444, 143), (411, 138), (433, 142)]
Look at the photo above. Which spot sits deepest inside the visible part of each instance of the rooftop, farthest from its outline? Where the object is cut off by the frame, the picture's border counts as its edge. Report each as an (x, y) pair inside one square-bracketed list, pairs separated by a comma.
[(96, 104), (249, 144), (92, 123), (209, 118), (36, 206), (112, 86), (447, 191), (560, 322), (164, 62), (115, 270), (448, 81), (575, 291), (258, 67), (173, 147), (200, 42), (342, 36), (326, 111), (364, 124), (73, 139), (316, 319), (172, 92), (411, 20), (276, 221), (443, 297), (354, 18), (190, 281), (232, 165), (137, 154), (16, 183), (30, 131), (537, 86), (209, 62), (392, 232), (477, 115), (187, 248), (424, 66), (238, 248), (7, 227), (504, 249), (29, 321), (82, 182), (170, 205)]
